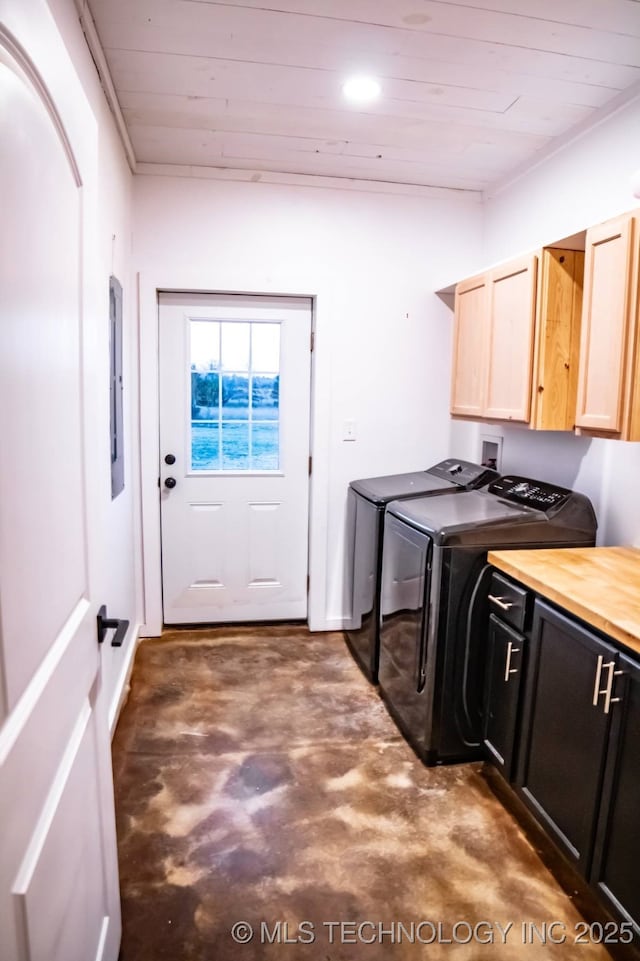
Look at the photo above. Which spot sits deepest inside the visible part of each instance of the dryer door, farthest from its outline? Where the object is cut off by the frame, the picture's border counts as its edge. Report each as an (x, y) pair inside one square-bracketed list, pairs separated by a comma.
[(406, 572)]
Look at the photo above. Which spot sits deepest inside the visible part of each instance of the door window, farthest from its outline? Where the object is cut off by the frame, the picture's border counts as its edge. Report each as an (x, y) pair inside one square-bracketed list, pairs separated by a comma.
[(235, 395)]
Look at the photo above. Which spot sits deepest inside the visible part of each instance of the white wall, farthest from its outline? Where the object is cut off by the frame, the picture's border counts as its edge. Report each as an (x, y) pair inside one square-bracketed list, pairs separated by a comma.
[(585, 183), (382, 357), (51, 34)]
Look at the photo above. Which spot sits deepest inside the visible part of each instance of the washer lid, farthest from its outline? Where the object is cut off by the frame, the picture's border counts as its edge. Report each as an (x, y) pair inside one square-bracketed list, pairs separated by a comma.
[(466, 511), (381, 490), (448, 475)]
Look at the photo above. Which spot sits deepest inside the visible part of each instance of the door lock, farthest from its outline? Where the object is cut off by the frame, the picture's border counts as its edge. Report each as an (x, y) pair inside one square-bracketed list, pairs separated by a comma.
[(170, 459), (170, 482)]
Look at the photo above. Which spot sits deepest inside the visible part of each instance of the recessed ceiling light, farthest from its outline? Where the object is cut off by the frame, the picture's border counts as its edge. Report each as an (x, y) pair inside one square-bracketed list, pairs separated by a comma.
[(361, 89)]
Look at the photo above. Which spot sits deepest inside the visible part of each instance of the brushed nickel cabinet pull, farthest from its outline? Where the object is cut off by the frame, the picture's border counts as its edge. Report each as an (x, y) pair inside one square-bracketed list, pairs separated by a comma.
[(508, 670), (596, 686), (505, 605), (608, 700)]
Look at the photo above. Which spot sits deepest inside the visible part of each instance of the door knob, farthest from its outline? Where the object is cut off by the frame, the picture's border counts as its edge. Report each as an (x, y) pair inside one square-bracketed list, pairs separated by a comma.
[(170, 482), (170, 459)]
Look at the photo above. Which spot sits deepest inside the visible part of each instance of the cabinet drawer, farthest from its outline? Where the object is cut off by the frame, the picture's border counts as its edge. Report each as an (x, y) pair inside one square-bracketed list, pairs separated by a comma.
[(508, 601)]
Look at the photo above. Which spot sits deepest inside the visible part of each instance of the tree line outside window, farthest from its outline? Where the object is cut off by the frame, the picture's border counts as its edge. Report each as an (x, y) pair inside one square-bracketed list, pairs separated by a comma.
[(210, 390)]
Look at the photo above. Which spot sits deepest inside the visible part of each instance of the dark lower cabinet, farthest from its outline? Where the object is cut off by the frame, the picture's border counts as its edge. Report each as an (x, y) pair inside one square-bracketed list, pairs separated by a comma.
[(505, 657), (577, 753), (616, 862), (565, 730)]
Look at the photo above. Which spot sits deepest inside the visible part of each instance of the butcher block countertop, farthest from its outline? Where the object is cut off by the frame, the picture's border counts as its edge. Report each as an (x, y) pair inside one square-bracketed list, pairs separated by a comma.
[(601, 585)]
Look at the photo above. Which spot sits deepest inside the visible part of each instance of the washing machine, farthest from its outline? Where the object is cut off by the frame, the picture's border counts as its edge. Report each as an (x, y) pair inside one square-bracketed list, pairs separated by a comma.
[(434, 588), (367, 499)]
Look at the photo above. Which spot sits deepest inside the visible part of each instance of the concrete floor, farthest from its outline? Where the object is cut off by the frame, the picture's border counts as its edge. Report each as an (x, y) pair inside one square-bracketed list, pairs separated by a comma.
[(260, 782)]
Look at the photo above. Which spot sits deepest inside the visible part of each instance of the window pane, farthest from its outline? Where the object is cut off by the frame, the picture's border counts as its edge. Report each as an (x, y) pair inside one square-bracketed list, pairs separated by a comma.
[(265, 454), (205, 446), (265, 396), (265, 347), (205, 345), (235, 396), (235, 346), (235, 445), (205, 395)]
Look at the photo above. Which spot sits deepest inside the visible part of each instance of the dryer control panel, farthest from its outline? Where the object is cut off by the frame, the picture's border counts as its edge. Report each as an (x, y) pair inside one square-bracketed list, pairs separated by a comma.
[(463, 473), (531, 493)]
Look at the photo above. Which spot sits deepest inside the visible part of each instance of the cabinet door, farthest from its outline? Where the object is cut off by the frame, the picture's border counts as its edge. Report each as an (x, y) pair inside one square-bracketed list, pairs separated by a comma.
[(512, 311), (617, 850), (565, 729), (555, 383), (469, 348), (503, 683), (608, 304)]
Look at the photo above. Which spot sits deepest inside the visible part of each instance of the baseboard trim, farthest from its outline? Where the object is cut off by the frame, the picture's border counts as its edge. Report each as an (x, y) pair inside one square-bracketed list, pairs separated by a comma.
[(121, 692), (328, 624)]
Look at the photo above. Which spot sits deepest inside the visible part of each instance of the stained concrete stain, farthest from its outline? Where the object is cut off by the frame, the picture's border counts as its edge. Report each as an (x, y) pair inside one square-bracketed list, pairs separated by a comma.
[(302, 802)]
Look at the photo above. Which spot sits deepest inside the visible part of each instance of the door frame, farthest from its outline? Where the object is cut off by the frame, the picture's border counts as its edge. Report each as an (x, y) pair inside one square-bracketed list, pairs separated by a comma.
[(149, 287)]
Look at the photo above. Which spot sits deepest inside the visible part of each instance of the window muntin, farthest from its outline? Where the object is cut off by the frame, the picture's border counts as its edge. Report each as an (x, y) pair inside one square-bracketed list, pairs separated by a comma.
[(235, 395)]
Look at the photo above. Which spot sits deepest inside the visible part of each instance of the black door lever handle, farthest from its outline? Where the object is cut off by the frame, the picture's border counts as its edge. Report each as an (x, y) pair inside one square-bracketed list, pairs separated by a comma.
[(110, 623)]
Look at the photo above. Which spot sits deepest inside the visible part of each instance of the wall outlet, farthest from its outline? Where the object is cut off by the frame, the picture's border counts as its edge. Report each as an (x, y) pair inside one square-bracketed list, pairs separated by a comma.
[(349, 430)]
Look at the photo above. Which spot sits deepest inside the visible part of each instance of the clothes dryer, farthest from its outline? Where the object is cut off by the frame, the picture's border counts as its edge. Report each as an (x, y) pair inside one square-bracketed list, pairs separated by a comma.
[(367, 499), (434, 600)]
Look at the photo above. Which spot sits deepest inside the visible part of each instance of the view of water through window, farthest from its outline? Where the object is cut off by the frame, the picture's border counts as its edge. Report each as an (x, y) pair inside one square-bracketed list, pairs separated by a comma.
[(235, 396)]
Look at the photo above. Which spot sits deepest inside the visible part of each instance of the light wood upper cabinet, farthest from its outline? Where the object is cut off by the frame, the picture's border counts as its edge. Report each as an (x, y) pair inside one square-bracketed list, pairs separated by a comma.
[(608, 399), (516, 341), (470, 339), (557, 339), (512, 308)]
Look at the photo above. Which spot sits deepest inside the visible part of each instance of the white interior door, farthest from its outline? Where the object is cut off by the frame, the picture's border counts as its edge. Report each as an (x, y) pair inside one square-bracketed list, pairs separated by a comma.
[(234, 457), (58, 865)]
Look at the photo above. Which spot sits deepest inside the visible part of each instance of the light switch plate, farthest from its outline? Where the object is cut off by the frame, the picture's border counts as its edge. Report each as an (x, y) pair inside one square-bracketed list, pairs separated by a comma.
[(349, 430)]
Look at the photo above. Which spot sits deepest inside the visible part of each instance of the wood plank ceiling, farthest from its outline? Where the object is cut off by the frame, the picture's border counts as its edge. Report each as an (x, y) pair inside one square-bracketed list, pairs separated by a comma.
[(472, 90)]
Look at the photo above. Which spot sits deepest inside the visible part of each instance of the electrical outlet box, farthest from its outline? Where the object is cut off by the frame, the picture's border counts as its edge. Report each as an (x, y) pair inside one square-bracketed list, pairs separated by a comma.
[(491, 451), (349, 430)]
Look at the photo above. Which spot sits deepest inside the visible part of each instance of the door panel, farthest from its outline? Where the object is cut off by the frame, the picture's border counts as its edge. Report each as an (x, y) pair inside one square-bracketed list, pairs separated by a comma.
[(404, 617), (617, 849), (234, 412), (503, 681), (63, 921), (565, 729), (56, 799), (469, 350), (608, 297), (40, 414), (512, 311)]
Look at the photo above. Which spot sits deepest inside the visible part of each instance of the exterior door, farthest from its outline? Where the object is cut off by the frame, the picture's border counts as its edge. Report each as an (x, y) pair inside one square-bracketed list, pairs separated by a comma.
[(234, 457), (58, 865)]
